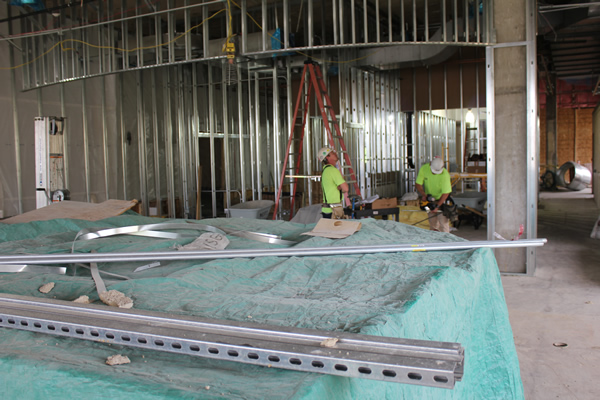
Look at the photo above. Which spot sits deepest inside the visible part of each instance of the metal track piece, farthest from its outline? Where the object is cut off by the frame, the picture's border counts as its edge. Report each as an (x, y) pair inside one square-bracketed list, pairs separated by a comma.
[(157, 231), (418, 362), (250, 253), (38, 269)]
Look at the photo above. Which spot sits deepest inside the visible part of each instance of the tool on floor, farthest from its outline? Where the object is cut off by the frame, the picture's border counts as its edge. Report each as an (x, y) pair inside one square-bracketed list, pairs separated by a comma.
[(476, 217)]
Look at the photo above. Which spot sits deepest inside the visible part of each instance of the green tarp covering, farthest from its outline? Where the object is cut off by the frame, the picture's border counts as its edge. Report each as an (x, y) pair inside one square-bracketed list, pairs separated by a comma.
[(450, 296)]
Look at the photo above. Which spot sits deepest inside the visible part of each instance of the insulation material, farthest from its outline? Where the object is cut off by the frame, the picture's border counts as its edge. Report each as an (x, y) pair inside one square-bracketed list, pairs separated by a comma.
[(453, 296)]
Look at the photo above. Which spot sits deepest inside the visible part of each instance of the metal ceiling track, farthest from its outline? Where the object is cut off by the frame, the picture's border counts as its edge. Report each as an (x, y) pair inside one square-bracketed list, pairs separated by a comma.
[(89, 39), (251, 253), (418, 362)]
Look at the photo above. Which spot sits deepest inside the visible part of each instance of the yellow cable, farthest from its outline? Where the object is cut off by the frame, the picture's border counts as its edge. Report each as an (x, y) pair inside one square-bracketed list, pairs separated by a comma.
[(230, 30), (228, 39), (35, 59), (62, 42)]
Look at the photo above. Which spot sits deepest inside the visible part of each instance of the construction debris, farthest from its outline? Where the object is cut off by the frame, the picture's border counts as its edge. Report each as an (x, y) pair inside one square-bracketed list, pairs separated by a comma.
[(46, 288), (114, 298), (117, 360), (329, 342), (82, 300)]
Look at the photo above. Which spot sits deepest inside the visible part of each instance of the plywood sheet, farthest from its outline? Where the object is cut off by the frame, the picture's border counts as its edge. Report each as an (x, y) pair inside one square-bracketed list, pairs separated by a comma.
[(75, 210)]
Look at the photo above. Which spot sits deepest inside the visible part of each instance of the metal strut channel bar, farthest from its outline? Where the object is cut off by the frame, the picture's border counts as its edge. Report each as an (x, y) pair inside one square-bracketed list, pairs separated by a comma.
[(419, 362), (288, 252)]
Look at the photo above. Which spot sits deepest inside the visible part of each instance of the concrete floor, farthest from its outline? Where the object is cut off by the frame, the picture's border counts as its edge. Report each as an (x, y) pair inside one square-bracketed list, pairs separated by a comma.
[(560, 303)]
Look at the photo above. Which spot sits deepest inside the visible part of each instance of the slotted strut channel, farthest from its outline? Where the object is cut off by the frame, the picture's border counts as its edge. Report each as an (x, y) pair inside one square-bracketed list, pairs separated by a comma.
[(419, 362)]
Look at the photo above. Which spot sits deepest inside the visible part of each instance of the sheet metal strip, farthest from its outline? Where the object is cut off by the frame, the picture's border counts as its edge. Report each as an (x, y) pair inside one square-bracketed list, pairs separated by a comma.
[(38, 269), (418, 362), (156, 231), (250, 253)]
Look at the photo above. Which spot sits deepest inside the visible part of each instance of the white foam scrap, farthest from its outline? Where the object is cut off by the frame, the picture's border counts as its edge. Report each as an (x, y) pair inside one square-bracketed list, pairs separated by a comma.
[(114, 298), (329, 342), (82, 299), (117, 360), (46, 288)]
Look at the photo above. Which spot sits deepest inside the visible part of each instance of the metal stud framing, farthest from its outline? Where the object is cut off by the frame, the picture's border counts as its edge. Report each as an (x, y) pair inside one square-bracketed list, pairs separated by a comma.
[(188, 101), (109, 39)]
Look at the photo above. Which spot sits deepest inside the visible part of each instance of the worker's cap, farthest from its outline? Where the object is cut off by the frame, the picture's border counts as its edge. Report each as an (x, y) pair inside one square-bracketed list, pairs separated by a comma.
[(437, 165), (324, 152)]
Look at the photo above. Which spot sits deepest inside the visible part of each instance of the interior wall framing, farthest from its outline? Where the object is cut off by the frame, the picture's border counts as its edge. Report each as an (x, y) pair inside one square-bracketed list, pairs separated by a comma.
[(90, 161), (189, 139), (151, 139)]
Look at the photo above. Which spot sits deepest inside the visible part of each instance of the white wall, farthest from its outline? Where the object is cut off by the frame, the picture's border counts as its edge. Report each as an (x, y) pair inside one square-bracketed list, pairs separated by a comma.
[(48, 101)]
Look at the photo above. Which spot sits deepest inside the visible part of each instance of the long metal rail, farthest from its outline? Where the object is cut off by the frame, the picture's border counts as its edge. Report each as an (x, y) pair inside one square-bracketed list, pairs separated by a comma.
[(419, 362), (90, 30), (250, 253)]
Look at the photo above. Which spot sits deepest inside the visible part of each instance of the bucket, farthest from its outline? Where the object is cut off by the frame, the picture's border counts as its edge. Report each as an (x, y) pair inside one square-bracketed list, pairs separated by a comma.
[(257, 209)]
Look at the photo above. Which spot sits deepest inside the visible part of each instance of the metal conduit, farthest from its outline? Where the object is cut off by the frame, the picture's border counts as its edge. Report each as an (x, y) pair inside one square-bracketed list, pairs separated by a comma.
[(243, 253)]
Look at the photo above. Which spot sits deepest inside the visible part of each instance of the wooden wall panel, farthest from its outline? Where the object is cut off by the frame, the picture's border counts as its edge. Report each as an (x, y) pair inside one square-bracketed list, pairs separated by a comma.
[(566, 134), (584, 136)]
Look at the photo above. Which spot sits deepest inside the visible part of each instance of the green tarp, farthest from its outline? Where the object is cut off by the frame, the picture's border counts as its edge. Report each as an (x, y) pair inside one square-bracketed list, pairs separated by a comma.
[(450, 296)]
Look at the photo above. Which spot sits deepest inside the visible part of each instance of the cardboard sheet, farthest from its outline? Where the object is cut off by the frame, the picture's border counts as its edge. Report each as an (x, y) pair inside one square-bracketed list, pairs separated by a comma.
[(334, 228), (75, 210)]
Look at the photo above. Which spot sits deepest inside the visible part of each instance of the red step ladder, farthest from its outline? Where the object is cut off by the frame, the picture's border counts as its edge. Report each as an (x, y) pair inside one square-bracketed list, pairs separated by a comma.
[(317, 84)]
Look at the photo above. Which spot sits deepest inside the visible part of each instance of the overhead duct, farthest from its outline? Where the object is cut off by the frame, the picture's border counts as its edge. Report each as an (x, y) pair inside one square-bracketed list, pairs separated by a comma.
[(578, 177), (410, 55)]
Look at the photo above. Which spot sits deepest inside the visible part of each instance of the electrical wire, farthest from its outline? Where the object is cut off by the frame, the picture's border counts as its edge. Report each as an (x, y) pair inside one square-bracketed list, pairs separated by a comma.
[(230, 28), (50, 10), (230, 35), (63, 42)]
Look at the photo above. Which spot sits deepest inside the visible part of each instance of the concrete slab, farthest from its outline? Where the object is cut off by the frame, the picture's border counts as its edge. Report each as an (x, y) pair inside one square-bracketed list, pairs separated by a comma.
[(560, 303)]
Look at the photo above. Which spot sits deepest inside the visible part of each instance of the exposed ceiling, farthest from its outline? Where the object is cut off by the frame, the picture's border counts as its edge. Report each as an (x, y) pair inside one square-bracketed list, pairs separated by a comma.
[(568, 31), (569, 41)]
